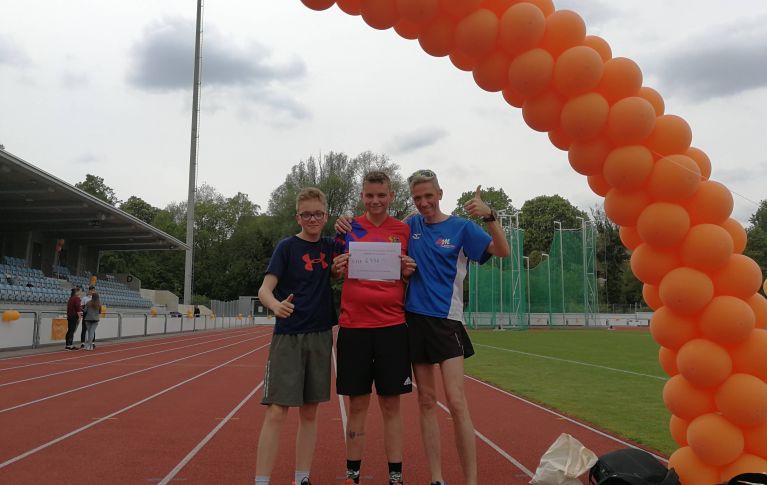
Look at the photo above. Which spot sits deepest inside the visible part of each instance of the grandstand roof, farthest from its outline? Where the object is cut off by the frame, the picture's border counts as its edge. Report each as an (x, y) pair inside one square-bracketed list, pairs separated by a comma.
[(33, 200)]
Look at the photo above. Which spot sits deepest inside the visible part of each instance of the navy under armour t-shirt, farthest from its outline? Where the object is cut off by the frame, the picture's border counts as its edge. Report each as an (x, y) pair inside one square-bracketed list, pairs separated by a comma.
[(303, 268)]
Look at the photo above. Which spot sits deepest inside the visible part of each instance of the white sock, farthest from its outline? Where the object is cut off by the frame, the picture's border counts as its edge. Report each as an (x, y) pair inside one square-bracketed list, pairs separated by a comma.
[(262, 480), (300, 475)]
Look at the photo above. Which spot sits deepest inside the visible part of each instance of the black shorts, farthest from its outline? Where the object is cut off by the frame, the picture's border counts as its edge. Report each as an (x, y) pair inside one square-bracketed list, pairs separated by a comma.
[(434, 340), (373, 354)]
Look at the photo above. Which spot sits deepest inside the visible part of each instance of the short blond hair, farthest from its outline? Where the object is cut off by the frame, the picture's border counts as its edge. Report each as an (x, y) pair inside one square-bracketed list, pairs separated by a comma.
[(377, 177), (311, 193), (422, 176)]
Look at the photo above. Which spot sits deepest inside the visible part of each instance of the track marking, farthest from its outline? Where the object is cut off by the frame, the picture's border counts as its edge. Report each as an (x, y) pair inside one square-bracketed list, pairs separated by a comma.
[(116, 361), (127, 408), (111, 351), (562, 416), (574, 362), (207, 438), (122, 376)]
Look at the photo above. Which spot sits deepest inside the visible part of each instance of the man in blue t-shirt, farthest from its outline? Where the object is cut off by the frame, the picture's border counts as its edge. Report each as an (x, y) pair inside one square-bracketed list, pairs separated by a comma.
[(296, 289), (442, 246)]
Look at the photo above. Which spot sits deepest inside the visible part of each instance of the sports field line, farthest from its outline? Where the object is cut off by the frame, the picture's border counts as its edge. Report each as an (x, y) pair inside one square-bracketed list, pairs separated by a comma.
[(561, 416), (120, 411), (207, 438), (109, 350), (52, 396), (603, 367)]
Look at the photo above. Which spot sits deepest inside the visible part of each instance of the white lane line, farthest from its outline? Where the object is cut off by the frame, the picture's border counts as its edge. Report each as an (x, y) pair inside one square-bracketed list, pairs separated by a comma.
[(573, 362), (341, 403), (78, 369), (205, 440), (562, 416), (109, 350), (127, 408), (52, 396)]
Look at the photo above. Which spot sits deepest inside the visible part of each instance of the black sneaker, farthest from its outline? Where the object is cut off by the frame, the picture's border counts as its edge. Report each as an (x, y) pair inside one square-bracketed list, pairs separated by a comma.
[(82, 346)]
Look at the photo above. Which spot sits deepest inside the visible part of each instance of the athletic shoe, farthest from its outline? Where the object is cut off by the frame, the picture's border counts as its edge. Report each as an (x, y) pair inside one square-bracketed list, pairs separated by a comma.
[(82, 346), (305, 481), (349, 481)]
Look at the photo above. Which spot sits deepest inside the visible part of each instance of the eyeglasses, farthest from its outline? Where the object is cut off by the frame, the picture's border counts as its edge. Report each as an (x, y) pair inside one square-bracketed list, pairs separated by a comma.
[(307, 216), (421, 174)]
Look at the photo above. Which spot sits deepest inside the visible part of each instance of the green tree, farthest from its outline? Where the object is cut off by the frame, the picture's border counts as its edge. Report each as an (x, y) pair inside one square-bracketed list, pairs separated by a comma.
[(95, 186), (495, 198), (136, 206), (756, 245), (537, 219), (616, 285)]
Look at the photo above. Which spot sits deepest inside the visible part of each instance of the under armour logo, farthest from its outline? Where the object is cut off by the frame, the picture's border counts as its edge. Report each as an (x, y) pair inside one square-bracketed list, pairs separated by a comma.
[(309, 266)]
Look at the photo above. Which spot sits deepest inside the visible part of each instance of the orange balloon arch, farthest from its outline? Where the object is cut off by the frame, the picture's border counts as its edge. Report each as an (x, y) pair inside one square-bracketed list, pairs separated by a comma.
[(709, 319)]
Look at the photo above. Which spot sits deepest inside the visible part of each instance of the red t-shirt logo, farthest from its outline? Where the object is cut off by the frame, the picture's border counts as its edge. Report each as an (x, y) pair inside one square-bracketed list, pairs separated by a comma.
[(309, 266)]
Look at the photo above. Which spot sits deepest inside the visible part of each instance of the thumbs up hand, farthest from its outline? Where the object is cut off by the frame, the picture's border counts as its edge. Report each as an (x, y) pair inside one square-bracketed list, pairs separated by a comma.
[(475, 207), (285, 307)]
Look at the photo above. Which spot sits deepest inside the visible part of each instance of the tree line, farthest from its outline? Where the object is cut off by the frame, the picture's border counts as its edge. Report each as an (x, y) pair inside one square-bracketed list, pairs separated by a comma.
[(234, 237)]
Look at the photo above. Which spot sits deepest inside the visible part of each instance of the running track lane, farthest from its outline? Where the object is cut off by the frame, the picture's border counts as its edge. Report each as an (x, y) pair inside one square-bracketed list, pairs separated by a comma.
[(145, 443)]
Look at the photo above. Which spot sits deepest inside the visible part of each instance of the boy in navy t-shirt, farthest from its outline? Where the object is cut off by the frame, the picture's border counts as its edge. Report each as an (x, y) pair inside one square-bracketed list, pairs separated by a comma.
[(296, 289)]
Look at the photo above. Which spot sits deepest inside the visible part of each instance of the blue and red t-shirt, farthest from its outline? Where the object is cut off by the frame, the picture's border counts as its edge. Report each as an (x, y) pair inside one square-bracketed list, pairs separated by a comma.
[(373, 303), (303, 269), (442, 252)]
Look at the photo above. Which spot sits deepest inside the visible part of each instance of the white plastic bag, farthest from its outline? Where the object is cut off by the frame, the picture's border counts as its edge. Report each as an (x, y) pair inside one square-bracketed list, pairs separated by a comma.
[(564, 461)]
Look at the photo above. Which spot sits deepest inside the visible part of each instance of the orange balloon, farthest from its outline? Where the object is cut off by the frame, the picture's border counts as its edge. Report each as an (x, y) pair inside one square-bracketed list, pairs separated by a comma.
[(758, 304), (476, 34), (498, 7), (704, 363), (462, 61), (671, 135), (588, 157), (651, 296), (691, 469), (577, 71), (600, 45), (351, 7), (727, 320), (628, 167), (542, 112), (513, 97), (685, 400), (662, 224), (715, 440), (379, 14), (740, 277), (654, 98), (623, 207), (622, 78), (460, 8), (743, 400), (598, 185), (678, 428), (746, 463), (437, 38), (408, 29), (492, 72), (737, 233), (631, 120), (674, 177), (650, 265), (530, 73), (521, 28), (564, 29), (700, 157), (707, 247), (418, 11), (546, 6), (712, 203), (629, 237), (671, 330), (756, 439), (584, 117), (748, 356), (686, 291), (560, 139), (667, 360), (319, 4)]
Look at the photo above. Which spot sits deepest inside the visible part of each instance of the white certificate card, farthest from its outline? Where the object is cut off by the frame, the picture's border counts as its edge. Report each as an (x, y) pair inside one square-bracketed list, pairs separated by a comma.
[(374, 260)]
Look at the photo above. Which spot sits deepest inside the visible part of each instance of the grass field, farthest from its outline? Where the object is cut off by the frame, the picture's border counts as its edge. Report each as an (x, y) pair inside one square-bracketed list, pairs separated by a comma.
[(611, 379)]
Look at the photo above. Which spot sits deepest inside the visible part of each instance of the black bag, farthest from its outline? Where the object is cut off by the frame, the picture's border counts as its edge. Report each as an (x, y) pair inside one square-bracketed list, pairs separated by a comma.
[(749, 479), (631, 466)]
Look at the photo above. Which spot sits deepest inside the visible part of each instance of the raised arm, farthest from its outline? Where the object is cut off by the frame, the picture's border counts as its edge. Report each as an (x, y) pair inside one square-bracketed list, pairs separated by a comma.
[(476, 207)]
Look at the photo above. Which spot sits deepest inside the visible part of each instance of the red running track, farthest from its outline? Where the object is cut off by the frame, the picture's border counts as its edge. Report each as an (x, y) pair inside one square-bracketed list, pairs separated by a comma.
[(186, 409)]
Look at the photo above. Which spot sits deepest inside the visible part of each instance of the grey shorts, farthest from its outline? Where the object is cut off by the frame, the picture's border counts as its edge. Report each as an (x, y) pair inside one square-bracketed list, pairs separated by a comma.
[(298, 369)]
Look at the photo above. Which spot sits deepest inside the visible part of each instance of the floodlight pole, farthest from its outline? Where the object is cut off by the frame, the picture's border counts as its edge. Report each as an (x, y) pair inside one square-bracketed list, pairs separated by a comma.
[(548, 269), (585, 282), (502, 216), (561, 270), (188, 262), (527, 285)]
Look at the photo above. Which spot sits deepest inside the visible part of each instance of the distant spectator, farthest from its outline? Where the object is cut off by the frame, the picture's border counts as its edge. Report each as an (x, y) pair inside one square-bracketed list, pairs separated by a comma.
[(74, 312), (83, 301), (91, 317), (196, 311)]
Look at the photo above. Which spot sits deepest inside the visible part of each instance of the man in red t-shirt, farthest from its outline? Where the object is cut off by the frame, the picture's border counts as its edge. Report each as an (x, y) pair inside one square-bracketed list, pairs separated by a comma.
[(372, 339)]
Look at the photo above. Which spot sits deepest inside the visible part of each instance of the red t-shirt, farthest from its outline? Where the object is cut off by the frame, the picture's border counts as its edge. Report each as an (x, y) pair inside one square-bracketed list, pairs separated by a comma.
[(368, 303)]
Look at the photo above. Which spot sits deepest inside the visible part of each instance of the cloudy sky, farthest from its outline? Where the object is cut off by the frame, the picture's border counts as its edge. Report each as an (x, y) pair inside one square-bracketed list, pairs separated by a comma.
[(104, 87)]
